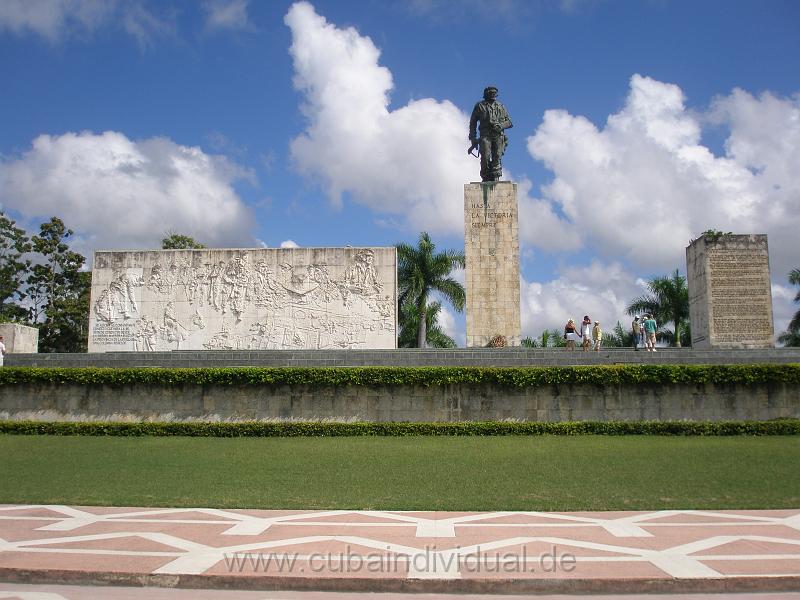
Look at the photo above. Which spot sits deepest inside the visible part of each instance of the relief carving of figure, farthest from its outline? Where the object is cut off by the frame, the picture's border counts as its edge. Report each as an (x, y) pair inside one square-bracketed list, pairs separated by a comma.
[(221, 340), (103, 308), (260, 338), (265, 291), (122, 296), (174, 332), (203, 284), (197, 320), (362, 276), (215, 285), (156, 280), (145, 335), (236, 280)]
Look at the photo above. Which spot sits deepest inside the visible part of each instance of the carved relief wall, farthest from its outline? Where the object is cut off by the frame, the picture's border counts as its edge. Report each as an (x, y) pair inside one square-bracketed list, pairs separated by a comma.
[(259, 299)]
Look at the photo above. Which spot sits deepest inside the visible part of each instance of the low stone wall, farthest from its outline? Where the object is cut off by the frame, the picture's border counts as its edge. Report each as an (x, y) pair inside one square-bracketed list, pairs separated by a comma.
[(461, 402), (407, 357)]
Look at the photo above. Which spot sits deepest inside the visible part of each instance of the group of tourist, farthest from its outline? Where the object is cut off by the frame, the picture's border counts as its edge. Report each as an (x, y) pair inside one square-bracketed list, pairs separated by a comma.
[(591, 335), (588, 334), (644, 332)]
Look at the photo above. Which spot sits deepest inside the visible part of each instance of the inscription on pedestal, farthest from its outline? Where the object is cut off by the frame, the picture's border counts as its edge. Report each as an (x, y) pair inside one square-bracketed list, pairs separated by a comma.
[(491, 248), (730, 299)]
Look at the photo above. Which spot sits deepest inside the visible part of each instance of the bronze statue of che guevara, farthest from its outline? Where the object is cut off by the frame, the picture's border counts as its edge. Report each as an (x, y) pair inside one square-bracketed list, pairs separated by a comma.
[(489, 137)]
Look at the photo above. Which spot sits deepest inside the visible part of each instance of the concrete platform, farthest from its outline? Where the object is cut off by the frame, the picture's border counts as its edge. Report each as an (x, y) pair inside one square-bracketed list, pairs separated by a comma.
[(676, 552), (408, 357)]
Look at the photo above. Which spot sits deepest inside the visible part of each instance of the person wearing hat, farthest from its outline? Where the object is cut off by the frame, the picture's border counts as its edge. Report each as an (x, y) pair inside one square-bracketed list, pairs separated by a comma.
[(636, 328), (597, 336), (650, 327), (489, 137), (2, 350), (570, 334)]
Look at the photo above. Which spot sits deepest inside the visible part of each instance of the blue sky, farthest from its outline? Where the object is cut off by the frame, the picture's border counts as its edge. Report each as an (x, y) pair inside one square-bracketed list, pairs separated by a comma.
[(637, 125)]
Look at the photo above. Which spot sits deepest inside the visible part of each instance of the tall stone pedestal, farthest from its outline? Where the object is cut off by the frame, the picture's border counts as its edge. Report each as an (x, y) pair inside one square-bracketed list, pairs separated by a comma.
[(491, 246), (730, 299)]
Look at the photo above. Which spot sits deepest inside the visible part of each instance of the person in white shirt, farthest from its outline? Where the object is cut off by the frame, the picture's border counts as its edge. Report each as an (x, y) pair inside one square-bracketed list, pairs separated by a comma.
[(2, 350), (586, 332)]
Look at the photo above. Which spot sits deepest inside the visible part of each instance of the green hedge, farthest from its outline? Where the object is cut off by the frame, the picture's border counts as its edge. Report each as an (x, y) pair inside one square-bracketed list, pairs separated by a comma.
[(423, 376), (333, 429)]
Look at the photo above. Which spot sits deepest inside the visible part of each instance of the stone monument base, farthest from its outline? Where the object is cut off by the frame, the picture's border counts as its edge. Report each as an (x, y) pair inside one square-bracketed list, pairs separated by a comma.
[(20, 339), (730, 297), (491, 249)]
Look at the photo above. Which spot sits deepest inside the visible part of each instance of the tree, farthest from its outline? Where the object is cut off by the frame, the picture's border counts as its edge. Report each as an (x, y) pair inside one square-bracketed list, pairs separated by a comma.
[(618, 337), (791, 337), (421, 272), (14, 244), (66, 326), (668, 302), (176, 241), (554, 338), (58, 291), (409, 328)]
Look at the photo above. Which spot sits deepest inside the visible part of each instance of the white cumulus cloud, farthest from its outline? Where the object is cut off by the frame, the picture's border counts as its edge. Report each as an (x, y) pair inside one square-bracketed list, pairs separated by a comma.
[(643, 185), (118, 193), (411, 161), (640, 187)]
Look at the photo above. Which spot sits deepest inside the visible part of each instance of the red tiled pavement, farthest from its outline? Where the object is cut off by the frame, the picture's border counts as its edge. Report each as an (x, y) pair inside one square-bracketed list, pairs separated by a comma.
[(423, 551)]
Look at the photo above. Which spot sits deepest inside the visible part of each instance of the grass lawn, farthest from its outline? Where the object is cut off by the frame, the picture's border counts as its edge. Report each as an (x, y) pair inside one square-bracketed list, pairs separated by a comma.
[(414, 473)]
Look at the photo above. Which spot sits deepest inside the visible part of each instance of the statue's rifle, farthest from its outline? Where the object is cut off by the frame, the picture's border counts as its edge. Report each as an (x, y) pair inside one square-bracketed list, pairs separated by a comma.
[(474, 146)]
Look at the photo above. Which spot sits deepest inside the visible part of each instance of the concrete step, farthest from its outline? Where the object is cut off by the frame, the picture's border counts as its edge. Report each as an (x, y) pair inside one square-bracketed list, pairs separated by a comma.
[(405, 357)]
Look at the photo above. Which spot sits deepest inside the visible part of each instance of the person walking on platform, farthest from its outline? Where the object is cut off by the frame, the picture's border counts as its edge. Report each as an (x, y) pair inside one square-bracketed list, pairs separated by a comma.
[(636, 329), (570, 333), (586, 333), (650, 327), (597, 336)]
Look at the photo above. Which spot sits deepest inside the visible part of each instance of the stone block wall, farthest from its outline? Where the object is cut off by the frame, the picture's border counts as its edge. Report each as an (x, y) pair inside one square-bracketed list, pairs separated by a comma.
[(461, 402)]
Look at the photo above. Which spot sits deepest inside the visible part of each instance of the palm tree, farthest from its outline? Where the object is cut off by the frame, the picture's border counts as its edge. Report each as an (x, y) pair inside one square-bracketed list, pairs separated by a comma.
[(549, 338), (668, 302), (618, 337), (791, 337), (409, 327), (421, 272)]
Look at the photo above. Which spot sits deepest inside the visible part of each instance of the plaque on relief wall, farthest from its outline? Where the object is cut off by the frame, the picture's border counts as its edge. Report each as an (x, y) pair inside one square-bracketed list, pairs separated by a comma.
[(244, 299)]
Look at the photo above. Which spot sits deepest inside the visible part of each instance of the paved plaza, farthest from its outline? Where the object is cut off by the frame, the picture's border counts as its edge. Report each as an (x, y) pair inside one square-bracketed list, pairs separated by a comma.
[(71, 592), (339, 550)]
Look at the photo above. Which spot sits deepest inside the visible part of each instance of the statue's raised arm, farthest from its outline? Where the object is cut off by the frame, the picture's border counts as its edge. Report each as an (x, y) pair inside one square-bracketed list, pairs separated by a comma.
[(487, 125)]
